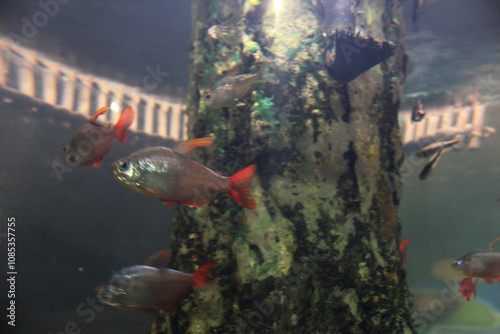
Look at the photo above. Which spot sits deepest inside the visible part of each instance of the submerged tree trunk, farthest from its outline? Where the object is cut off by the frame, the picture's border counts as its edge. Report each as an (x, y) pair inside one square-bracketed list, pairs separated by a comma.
[(320, 252)]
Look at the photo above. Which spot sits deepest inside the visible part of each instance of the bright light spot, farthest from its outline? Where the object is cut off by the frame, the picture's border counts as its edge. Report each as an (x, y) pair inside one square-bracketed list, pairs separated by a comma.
[(277, 5), (114, 106)]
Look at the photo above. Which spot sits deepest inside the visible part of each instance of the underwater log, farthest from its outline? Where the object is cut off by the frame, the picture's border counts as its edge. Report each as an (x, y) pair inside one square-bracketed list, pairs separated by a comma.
[(319, 253)]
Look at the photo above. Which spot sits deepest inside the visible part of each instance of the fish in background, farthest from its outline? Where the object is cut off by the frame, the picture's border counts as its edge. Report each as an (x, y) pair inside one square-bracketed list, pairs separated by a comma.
[(231, 89), (434, 150), (149, 288), (482, 263), (418, 112), (92, 141), (168, 175)]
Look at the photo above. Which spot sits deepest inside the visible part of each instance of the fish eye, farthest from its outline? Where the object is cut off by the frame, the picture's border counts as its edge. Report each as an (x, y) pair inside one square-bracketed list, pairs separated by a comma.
[(124, 166), (208, 96), (459, 263), (64, 149)]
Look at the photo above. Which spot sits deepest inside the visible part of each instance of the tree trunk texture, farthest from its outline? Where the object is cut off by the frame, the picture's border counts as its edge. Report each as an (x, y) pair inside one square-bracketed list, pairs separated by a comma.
[(320, 252)]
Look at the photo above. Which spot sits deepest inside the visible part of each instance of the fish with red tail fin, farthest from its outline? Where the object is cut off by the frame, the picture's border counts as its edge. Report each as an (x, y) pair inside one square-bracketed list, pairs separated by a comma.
[(168, 175), (149, 288), (92, 141)]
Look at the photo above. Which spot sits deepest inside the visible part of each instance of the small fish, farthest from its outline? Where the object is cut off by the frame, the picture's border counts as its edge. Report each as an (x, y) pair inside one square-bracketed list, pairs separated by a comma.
[(432, 148), (430, 165), (231, 89), (168, 175), (92, 141), (418, 112), (402, 248), (228, 32), (149, 288), (483, 263)]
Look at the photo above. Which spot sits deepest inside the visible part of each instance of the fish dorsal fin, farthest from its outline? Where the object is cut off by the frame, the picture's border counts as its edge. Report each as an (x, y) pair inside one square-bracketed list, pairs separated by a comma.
[(101, 111), (158, 259), (491, 244), (187, 146)]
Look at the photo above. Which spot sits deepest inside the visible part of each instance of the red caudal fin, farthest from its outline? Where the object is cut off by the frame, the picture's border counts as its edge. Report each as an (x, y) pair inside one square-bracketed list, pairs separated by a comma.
[(201, 274), (240, 182), (187, 146), (125, 121), (402, 247), (98, 113)]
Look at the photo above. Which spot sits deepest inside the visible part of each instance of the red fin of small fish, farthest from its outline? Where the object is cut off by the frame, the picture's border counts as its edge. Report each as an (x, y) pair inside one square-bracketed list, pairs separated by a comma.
[(240, 182), (402, 247), (102, 110), (488, 280), (97, 162), (188, 146), (158, 259), (169, 202), (491, 244), (124, 122), (201, 275), (467, 288)]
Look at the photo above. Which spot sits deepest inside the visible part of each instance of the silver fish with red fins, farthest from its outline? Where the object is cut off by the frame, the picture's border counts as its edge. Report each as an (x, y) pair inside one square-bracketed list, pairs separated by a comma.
[(168, 175), (149, 288), (483, 263), (92, 141)]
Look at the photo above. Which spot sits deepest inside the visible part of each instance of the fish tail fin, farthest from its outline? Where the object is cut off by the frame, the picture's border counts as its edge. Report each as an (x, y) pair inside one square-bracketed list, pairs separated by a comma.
[(102, 110), (201, 275), (240, 182), (124, 122)]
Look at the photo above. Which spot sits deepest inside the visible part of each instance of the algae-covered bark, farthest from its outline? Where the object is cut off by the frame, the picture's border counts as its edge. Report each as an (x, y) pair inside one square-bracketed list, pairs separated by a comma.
[(320, 253)]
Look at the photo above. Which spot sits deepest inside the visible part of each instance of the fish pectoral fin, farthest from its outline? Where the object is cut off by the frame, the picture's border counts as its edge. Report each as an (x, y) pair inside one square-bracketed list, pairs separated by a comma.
[(187, 146), (169, 202)]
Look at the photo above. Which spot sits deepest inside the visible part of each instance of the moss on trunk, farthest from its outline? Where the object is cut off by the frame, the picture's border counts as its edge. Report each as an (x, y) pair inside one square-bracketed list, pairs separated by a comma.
[(320, 253)]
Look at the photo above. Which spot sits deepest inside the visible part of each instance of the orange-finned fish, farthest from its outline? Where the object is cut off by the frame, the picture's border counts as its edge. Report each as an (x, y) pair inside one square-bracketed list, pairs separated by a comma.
[(150, 288), (483, 263), (168, 175), (92, 141), (402, 248)]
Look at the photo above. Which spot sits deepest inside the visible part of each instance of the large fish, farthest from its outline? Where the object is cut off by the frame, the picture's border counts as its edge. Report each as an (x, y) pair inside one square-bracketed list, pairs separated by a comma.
[(168, 175), (149, 288), (92, 141)]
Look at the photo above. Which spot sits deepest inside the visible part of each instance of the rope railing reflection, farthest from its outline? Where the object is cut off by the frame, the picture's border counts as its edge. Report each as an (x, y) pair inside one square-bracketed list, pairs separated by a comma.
[(33, 74)]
